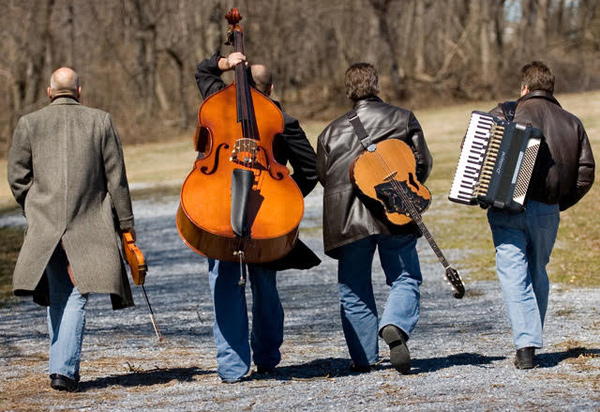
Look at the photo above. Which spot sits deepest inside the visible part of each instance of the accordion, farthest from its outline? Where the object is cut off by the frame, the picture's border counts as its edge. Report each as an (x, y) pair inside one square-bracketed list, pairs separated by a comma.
[(495, 163)]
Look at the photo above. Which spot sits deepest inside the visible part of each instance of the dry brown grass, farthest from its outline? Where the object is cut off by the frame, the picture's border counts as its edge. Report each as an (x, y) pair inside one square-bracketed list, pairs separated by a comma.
[(160, 168)]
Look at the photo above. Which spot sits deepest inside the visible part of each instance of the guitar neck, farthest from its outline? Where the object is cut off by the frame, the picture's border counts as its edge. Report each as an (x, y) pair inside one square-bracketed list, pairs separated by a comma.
[(416, 217)]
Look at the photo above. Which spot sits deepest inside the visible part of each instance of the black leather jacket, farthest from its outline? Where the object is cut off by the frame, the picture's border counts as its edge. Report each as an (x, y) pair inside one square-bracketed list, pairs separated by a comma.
[(345, 217), (564, 170)]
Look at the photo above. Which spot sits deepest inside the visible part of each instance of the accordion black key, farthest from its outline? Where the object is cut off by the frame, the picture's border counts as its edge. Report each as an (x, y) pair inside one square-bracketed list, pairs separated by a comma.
[(496, 163)]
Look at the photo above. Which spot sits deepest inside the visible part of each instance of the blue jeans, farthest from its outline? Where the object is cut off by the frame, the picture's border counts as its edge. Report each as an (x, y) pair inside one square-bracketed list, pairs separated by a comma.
[(400, 263), (66, 318), (523, 243), (231, 318)]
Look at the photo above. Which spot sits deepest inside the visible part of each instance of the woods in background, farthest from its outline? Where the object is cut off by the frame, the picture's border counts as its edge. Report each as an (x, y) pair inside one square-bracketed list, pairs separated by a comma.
[(137, 58)]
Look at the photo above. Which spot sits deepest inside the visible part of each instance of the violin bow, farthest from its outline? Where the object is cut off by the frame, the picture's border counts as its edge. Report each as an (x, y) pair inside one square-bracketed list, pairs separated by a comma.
[(135, 259)]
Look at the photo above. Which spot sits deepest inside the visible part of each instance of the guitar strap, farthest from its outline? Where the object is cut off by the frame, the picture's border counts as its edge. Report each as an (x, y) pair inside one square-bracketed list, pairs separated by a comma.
[(359, 129)]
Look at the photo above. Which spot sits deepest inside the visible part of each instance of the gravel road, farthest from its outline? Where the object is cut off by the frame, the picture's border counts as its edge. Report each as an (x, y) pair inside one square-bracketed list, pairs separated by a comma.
[(462, 349)]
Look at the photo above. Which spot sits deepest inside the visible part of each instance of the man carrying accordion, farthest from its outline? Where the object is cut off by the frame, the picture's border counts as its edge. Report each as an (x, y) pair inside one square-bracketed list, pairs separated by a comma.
[(548, 150)]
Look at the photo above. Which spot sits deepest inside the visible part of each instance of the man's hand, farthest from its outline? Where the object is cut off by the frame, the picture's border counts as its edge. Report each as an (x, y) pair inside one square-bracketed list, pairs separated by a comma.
[(132, 231), (229, 62)]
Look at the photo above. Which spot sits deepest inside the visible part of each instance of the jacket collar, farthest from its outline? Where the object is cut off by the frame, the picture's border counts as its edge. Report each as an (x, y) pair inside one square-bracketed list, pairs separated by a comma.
[(541, 94), (364, 102), (65, 99)]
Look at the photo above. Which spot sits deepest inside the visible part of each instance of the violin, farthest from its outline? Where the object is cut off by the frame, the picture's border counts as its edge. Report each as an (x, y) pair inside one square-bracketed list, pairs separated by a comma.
[(135, 259), (137, 264), (238, 202)]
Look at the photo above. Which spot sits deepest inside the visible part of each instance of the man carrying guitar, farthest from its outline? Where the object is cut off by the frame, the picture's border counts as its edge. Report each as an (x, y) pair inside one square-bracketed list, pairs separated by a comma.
[(352, 230)]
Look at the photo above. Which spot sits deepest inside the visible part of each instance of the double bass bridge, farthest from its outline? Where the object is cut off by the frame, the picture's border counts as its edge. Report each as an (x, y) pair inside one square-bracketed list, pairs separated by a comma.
[(245, 152)]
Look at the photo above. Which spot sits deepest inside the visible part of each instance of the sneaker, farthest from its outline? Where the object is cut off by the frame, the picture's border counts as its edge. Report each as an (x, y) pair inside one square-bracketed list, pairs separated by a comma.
[(399, 354), (62, 383), (524, 358)]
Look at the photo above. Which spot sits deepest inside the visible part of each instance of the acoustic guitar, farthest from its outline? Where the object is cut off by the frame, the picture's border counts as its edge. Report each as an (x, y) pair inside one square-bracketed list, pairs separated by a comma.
[(386, 173)]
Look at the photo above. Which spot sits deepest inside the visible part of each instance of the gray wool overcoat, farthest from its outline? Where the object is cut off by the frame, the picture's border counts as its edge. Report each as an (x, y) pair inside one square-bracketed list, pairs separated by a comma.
[(66, 170)]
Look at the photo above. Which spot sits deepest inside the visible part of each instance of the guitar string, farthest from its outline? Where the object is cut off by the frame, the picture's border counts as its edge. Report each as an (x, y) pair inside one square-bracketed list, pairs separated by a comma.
[(413, 211)]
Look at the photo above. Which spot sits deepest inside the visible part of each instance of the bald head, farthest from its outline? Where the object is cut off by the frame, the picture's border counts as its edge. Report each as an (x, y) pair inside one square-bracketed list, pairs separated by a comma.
[(64, 82), (263, 79)]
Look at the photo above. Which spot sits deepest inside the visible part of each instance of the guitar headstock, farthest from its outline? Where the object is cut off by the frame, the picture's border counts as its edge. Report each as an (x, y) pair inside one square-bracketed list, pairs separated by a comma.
[(455, 281)]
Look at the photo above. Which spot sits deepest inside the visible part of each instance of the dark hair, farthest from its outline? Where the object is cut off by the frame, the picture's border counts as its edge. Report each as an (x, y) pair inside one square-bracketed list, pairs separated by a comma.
[(362, 81), (537, 76)]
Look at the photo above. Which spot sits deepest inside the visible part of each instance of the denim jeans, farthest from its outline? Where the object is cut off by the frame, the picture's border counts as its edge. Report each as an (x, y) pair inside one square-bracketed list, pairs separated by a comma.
[(231, 318), (66, 318), (523, 243), (400, 263)]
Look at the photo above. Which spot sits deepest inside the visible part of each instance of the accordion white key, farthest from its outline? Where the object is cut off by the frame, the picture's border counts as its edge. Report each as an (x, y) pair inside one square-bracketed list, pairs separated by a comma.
[(495, 163)]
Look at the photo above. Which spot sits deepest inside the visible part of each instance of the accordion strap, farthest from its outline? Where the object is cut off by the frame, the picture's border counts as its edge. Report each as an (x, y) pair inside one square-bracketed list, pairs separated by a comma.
[(359, 129), (509, 109)]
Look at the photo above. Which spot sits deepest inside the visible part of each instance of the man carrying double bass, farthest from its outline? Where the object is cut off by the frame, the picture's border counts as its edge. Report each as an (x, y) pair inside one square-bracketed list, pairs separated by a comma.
[(231, 332), (352, 231)]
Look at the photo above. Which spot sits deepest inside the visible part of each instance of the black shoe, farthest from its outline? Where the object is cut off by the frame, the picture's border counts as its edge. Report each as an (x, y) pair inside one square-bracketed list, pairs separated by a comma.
[(524, 358), (399, 354), (62, 383), (263, 370), (233, 380), (362, 368)]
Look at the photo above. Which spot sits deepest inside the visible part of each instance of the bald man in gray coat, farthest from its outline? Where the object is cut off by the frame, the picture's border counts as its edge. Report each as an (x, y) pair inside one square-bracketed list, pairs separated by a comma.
[(66, 170)]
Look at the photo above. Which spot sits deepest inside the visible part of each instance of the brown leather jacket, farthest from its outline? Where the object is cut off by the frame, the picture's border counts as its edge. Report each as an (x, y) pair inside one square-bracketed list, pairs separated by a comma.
[(564, 170), (345, 217)]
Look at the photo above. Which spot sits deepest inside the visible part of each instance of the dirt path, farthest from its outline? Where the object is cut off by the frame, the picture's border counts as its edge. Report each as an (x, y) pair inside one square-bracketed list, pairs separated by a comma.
[(461, 349)]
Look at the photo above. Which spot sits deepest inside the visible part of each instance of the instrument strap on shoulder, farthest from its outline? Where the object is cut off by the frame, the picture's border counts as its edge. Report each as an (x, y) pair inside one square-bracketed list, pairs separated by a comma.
[(359, 129), (509, 109)]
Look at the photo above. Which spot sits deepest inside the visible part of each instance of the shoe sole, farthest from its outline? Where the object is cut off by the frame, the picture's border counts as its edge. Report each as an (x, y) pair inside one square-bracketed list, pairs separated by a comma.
[(523, 365), (399, 353)]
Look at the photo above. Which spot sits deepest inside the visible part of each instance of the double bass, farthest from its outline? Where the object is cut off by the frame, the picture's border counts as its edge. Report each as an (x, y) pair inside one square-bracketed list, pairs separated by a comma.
[(238, 203)]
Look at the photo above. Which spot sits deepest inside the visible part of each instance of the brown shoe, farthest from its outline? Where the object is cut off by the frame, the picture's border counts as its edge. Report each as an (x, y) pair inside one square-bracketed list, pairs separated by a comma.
[(524, 358), (399, 354)]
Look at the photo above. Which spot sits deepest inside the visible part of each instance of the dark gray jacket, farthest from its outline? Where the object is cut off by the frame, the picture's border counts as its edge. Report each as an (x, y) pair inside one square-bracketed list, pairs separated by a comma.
[(564, 170), (345, 217)]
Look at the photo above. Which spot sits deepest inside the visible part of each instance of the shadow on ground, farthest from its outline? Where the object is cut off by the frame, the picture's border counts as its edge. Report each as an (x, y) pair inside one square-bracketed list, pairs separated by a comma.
[(149, 378), (549, 360)]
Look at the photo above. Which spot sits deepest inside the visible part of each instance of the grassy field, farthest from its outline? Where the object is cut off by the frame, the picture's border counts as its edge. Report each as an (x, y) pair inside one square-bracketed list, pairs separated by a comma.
[(160, 168)]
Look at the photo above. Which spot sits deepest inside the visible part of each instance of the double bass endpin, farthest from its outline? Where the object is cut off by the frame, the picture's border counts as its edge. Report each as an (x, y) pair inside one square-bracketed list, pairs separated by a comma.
[(240, 254)]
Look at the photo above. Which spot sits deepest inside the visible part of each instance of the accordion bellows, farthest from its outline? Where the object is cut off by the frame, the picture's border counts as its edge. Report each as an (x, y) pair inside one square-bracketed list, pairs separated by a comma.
[(496, 163)]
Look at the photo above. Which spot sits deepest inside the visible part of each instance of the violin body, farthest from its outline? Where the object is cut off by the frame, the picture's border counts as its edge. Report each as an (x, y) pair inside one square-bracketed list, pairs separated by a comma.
[(135, 259), (273, 205), (386, 174)]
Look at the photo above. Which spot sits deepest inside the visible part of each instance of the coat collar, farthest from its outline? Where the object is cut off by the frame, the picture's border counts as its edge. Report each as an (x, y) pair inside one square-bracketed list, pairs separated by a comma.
[(65, 100), (541, 94)]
